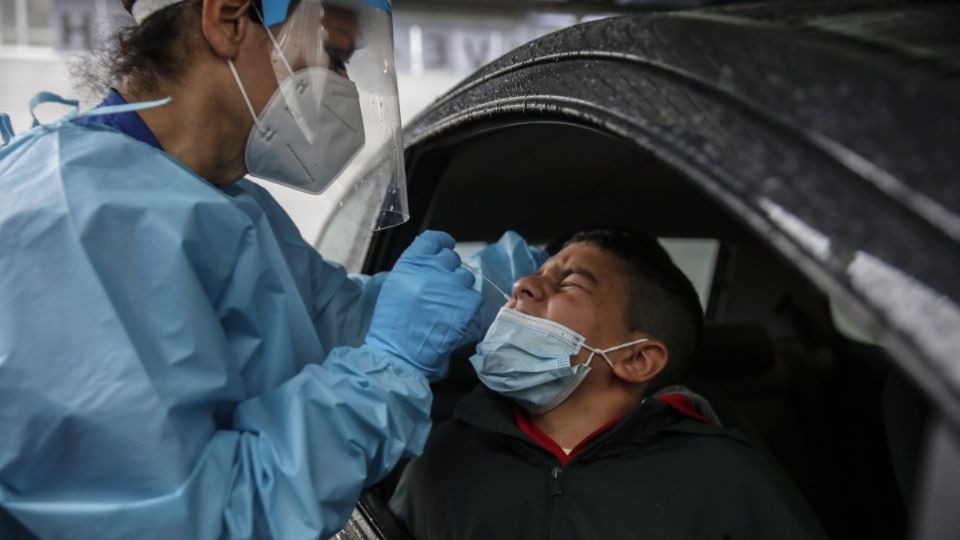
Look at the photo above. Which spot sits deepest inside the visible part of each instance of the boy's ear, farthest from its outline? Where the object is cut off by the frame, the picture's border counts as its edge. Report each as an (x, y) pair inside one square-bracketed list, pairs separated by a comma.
[(645, 361)]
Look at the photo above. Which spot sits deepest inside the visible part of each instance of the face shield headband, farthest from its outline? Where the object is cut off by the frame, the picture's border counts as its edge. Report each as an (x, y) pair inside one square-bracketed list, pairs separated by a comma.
[(274, 12)]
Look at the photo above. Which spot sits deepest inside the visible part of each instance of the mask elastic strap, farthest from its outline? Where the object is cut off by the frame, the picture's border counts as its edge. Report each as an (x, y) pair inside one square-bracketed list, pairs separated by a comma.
[(603, 352), (273, 40), (593, 352), (299, 87), (243, 92)]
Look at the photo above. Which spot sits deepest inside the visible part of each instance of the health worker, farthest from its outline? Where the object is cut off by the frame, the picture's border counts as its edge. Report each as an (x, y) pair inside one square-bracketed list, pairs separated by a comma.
[(175, 360)]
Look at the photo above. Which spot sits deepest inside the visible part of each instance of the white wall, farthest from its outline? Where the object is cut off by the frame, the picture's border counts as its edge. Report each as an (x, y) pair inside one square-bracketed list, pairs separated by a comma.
[(27, 71)]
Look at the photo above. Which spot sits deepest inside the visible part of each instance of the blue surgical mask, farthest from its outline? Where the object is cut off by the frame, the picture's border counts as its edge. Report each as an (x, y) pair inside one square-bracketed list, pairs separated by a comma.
[(527, 359)]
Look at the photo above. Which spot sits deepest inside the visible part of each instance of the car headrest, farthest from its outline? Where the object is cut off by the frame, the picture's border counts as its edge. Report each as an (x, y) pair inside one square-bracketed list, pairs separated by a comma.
[(733, 350)]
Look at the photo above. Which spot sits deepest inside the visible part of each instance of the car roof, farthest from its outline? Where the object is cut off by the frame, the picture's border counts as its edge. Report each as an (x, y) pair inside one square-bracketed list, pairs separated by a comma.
[(925, 31), (829, 129)]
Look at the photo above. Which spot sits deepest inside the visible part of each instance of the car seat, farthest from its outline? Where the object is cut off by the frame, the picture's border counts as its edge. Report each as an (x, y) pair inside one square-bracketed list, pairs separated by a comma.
[(905, 414)]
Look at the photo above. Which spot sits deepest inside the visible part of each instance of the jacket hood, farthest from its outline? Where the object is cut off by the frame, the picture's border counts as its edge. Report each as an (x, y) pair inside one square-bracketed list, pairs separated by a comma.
[(689, 403)]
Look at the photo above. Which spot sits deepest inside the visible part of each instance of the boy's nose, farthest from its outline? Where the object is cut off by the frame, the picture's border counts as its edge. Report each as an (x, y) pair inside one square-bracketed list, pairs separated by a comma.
[(529, 288)]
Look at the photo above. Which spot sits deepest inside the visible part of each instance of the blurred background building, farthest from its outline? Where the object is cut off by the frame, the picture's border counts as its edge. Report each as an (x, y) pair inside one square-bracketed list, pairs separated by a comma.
[(438, 43)]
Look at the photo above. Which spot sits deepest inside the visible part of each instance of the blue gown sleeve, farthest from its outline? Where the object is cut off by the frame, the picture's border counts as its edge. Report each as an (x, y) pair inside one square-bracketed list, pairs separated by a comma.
[(153, 383), (308, 448), (342, 315), (340, 304), (292, 466)]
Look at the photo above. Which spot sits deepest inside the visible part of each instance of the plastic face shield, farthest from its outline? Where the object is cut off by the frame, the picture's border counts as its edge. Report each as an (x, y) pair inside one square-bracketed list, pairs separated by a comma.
[(337, 106)]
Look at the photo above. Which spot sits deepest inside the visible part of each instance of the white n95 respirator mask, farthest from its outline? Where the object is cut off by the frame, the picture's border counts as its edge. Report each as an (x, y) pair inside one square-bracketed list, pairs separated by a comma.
[(308, 131)]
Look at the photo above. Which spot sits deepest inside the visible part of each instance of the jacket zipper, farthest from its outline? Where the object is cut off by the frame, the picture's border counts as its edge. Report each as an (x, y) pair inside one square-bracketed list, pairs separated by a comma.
[(555, 484), (555, 491)]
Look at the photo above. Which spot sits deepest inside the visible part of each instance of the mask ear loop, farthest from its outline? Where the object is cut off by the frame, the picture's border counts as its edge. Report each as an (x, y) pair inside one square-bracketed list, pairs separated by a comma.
[(603, 352), (266, 133), (300, 87), (592, 352), (276, 47)]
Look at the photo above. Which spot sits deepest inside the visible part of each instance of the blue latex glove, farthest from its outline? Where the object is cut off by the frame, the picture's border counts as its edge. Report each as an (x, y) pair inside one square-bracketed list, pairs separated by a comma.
[(504, 262), (425, 305)]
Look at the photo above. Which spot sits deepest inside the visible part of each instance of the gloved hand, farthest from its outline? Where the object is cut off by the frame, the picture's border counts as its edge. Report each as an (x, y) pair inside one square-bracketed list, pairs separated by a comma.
[(425, 305)]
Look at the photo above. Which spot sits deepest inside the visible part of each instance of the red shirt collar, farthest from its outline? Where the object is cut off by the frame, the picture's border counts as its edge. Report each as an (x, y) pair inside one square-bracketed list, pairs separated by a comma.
[(677, 402), (548, 444)]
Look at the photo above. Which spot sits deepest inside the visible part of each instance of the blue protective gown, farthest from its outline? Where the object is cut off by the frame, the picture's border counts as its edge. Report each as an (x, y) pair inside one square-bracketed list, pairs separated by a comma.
[(175, 361)]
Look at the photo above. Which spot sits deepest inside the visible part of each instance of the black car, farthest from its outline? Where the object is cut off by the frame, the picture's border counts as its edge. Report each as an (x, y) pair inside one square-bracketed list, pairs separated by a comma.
[(803, 160)]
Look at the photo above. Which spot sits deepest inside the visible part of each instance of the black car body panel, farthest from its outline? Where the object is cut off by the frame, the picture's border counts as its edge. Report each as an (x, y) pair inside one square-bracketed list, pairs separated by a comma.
[(826, 131), (841, 152)]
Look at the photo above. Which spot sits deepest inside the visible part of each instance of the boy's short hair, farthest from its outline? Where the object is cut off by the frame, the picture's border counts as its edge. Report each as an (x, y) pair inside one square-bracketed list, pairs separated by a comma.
[(662, 302)]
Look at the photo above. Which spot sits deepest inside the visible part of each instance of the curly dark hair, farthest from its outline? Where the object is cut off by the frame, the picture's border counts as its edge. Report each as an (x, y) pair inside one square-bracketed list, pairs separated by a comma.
[(143, 55)]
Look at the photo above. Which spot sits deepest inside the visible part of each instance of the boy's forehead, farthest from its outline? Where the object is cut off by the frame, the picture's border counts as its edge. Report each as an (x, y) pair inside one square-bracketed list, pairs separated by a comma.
[(583, 254)]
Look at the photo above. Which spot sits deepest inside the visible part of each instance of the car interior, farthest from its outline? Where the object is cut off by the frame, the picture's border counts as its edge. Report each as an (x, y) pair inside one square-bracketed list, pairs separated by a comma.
[(827, 407)]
